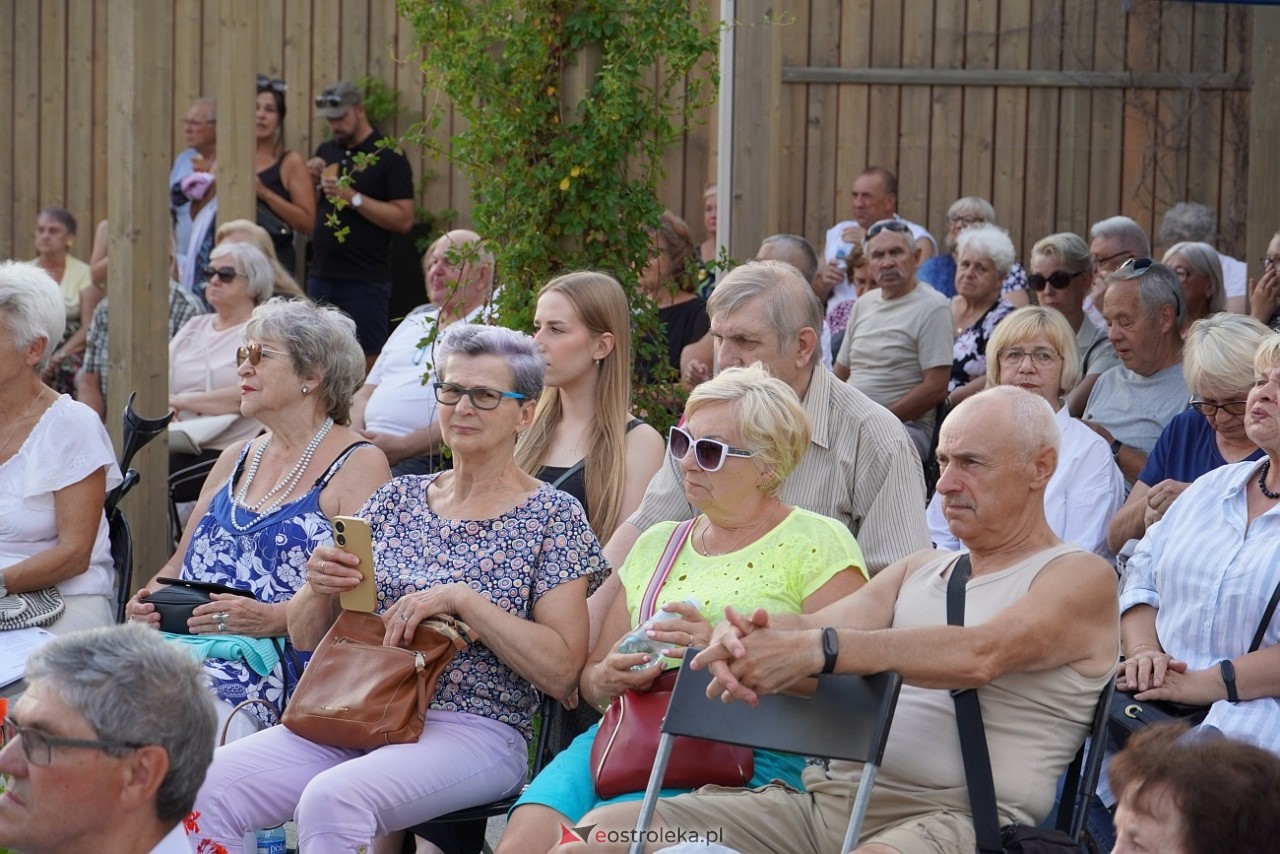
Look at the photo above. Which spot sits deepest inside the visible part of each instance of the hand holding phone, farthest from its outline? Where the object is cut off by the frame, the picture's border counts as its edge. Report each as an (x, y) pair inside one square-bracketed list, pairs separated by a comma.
[(352, 535)]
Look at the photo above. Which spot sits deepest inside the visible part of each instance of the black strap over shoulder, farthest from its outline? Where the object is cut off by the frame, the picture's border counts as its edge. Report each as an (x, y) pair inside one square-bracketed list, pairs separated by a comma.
[(324, 479)]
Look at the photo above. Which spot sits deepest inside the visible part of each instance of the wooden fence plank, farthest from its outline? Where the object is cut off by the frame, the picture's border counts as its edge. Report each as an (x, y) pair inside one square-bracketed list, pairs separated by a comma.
[(1014, 51), (914, 167), (1044, 129), (353, 40), (1138, 158), (8, 35), (1106, 120), (885, 101), (26, 121), (946, 117), (1239, 198), (53, 104), (1205, 143), (977, 138), (1176, 113), (1071, 210), (98, 154), (1264, 129), (825, 206), (79, 123), (815, 165)]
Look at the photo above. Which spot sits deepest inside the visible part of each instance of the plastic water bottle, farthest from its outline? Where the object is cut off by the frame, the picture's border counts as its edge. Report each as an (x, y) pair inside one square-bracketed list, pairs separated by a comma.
[(271, 840), (637, 641)]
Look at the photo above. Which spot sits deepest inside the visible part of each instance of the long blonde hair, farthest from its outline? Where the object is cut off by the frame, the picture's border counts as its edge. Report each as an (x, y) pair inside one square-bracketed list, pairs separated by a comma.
[(602, 305)]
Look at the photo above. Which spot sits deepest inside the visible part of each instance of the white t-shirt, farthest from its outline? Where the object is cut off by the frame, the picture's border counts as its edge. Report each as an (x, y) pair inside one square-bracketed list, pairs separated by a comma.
[(401, 401), (67, 445)]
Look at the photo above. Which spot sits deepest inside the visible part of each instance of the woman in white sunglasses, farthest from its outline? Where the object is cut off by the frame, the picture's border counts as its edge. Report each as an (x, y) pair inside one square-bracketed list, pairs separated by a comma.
[(744, 432)]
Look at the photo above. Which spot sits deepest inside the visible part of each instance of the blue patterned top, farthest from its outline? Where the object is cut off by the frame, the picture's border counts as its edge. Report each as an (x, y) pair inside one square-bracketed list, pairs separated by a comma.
[(268, 559), (511, 560)]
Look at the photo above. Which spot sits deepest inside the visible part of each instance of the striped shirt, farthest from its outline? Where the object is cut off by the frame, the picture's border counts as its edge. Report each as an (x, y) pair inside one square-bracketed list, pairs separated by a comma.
[(860, 469), (1210, 572)]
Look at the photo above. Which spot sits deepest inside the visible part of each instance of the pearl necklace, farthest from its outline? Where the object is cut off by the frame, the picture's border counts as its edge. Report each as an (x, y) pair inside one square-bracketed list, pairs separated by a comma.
[(1262, 481), (283, 488)]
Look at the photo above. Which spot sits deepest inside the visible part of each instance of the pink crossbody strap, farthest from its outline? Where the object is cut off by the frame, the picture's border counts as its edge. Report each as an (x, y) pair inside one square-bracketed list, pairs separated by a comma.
[(649, 603)]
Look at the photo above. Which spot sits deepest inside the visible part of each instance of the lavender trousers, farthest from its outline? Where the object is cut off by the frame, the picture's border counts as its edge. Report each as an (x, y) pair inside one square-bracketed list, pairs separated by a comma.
[(342, 798)]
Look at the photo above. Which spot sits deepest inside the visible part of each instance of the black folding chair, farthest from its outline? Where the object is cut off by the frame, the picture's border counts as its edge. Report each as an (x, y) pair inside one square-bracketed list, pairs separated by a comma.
[(846, 717), (1081, 780), (138, 431)]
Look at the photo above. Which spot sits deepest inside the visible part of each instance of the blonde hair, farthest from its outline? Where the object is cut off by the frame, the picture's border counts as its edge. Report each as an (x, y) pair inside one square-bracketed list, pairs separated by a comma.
[(282, 281), (1218, 352), (1268, 355), (1026, 323), (767, 414), (601, 304)]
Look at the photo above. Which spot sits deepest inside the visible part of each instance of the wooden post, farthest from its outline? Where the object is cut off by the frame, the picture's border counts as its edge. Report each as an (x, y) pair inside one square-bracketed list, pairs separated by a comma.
[(756, 83), (1264, 126), (139, 129), (237, 52)]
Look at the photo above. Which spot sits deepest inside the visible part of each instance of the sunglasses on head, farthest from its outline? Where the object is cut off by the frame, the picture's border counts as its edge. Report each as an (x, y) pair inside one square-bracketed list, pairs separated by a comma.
[(1135, 266), (709, 454), (254, 353), (1058, 280), (226, 275), (329, 99), (887, 225), (266, 83)]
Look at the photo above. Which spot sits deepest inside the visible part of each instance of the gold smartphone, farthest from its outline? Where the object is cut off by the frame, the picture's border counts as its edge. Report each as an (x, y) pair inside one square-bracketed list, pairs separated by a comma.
[(352, 535)]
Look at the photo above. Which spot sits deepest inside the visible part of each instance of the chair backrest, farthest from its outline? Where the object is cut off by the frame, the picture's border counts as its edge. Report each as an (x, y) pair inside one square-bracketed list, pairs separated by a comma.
[(138, 431), (121, 556), (846, 717), (1083, 772)]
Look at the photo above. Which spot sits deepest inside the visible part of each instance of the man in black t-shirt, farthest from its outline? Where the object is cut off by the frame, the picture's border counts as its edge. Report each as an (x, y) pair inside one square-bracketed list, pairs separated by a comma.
[(352, 272)]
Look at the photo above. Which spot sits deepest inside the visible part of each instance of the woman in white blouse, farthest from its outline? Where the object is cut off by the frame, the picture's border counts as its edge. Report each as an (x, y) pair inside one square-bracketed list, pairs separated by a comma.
[(56, 463), (1035, 349)]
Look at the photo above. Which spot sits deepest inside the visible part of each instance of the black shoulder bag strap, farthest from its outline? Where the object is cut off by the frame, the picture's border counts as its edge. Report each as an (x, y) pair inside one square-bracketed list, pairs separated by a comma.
[(973, 735), (1266, 620)]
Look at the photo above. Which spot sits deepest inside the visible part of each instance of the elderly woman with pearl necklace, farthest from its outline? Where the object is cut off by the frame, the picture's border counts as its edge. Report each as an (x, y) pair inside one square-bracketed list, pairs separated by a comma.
[(267, 503)]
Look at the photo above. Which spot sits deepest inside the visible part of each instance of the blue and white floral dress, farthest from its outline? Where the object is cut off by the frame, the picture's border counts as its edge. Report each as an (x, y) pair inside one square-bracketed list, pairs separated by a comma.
[(268, 558)]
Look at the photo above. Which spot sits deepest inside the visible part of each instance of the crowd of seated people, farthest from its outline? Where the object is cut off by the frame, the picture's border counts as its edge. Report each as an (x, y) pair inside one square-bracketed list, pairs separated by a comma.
[(1134, 400)]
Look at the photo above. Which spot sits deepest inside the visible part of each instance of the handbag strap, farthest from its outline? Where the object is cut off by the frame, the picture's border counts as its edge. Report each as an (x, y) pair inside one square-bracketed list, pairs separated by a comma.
[(648, 603), (568, 473), (1266, 619), (973, 735)]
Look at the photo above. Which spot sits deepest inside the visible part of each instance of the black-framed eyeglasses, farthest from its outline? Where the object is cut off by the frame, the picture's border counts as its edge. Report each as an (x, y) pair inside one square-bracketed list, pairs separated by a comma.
[(709, 454), (255, 352), (266, 83), (1058, 280), (965, 220), (888, 225), (226, 275), (1098, 262), (332, 100), (451, 394), (38, 746), (1041, 358), (1232, 407)]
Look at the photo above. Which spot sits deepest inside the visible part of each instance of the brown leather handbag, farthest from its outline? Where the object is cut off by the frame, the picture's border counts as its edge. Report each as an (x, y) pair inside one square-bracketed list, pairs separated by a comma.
[(360, 693)]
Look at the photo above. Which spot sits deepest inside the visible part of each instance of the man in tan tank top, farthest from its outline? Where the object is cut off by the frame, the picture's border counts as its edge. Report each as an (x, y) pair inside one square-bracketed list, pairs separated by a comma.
[(1040, 642)]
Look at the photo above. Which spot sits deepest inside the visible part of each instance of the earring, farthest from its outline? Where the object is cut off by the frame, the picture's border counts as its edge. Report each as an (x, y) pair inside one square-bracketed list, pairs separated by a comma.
[(306, 389), (599, 363)]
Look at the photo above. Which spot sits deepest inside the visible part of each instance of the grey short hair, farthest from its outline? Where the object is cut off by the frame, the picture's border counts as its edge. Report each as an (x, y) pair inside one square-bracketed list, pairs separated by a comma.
[(988, 241), (257, 269), (32, 306), (1188, 222), (130, 685), (1125, 230), (321, 342), (796, 244), (789, 302), (1218, 352), (1034, 424), (766, 412), (974, 203), (1067, 249), (528, 370), (1158, 286), (1204, 261)]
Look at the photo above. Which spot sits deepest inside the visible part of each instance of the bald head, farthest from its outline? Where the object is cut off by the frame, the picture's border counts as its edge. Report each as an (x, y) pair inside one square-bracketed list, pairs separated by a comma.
[(459, 272), (791, 249), (1023, 420)]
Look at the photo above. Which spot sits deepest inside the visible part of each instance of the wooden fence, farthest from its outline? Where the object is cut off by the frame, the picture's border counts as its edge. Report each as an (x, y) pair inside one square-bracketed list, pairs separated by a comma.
[(1060, 112)]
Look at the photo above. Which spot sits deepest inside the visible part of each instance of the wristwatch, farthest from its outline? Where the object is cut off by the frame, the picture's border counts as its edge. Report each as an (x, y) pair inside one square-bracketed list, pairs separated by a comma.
[(830, 649), (1116, 445), (357, 200), (1229, 678)]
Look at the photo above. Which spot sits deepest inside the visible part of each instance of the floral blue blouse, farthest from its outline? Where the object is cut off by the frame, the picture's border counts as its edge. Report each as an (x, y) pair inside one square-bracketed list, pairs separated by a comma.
[(512, 560), (969, 355)]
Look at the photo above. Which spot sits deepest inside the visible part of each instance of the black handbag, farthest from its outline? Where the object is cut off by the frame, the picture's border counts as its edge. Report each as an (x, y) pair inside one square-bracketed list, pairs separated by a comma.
[(1129, 716), (176, 602), (274, 225), (992, 839)]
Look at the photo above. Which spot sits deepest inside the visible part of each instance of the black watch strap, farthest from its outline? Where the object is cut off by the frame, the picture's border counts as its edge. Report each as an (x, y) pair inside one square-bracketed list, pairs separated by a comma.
[(1116, 445), (1229, 678), (830, 649)]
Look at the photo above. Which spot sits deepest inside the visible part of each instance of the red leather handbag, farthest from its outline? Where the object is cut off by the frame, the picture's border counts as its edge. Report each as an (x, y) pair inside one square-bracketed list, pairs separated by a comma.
[(626, 745), (626, 748)]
